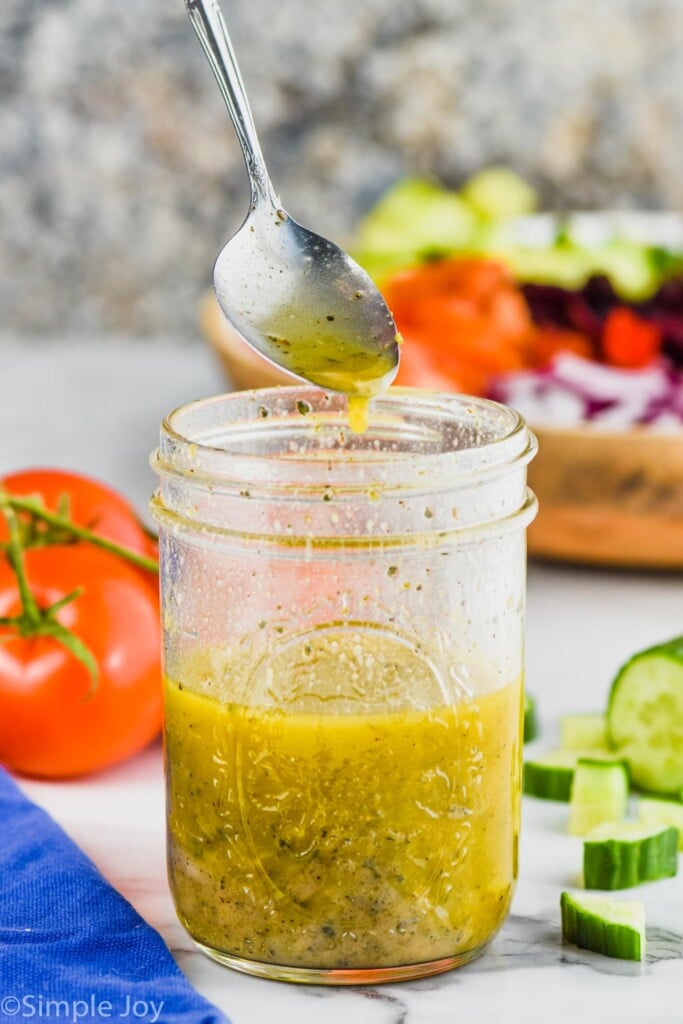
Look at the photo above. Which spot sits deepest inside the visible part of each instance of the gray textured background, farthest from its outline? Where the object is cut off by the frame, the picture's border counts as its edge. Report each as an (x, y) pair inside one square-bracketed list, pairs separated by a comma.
[(120, 176)]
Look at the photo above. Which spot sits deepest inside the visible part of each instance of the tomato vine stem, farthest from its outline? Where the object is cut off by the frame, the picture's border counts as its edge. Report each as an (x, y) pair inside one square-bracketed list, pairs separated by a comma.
[(34, 620), (36, 509), (31, 614)]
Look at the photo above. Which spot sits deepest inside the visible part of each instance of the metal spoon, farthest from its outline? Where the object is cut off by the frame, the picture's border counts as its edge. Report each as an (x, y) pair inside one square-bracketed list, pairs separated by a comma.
[(295, 297)]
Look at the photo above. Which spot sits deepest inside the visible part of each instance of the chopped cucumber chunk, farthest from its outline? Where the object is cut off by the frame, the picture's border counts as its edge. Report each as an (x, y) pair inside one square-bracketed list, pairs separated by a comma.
[(550, 777), (645, 717), (530, 719), (599, 794), (414, 220), (629, 266), (566, 266), (583, 732), (627, 830), (606, 926), (652, 811), (497, 192), (623, 854)]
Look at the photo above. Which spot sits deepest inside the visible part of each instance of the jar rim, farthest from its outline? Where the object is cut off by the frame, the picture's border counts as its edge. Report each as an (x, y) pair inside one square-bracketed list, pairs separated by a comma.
[(415, 438)]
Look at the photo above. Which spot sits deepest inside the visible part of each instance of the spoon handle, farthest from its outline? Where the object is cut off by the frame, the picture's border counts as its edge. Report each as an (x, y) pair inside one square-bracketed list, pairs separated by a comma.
[(212, 32)]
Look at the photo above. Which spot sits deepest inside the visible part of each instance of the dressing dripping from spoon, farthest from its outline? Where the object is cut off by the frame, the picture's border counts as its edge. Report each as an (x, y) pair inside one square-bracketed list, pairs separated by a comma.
[(295, 297)]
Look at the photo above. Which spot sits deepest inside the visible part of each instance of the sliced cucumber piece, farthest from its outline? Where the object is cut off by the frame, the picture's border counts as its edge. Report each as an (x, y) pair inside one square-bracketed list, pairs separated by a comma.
[(413, 219), (599, 794), (629, 267), (583, 732), (614, 928), (623, 854), (645, 717), (497, 192), (530, 719), (550, 777), (652, 811)]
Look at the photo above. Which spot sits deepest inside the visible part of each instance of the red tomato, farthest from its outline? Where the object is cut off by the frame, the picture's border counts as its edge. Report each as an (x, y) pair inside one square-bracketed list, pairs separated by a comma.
[(51, 724), (629, 341), (421, 367), (91, 504), (463, 321), (551, 341)]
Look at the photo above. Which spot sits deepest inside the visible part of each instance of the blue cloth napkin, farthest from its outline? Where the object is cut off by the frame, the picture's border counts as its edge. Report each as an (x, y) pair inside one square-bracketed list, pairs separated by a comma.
[(72, 949)]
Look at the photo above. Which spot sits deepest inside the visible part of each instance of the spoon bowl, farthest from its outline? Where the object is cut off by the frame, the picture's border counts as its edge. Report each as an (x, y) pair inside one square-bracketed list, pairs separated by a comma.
[(295, 297), (305, 305)]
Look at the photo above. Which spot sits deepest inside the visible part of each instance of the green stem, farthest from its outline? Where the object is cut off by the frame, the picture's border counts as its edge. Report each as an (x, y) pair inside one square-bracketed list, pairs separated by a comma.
[(35, 621), (15, 554), (34, 508)]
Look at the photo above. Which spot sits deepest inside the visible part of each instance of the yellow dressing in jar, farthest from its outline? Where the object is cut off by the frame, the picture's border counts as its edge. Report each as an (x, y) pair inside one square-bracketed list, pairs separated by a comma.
[(305, 832)]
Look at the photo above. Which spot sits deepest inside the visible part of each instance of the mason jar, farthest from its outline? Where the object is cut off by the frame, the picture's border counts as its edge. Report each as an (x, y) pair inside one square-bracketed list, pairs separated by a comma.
[(343, 644)]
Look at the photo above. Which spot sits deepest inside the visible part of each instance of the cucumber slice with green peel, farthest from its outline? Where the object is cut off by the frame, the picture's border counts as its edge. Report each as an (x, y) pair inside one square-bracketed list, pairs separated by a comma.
[(583, 732), (530, 719), (669, 813), (599, 794), (623, 854), (645, 717), (612, 927), (550, 777)]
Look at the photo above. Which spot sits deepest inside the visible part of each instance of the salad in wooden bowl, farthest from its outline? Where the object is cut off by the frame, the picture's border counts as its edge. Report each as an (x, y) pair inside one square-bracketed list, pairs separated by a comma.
[(576, 320)]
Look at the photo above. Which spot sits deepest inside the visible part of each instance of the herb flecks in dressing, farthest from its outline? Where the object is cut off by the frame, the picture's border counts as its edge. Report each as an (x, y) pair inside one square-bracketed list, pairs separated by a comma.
[(338, 828)]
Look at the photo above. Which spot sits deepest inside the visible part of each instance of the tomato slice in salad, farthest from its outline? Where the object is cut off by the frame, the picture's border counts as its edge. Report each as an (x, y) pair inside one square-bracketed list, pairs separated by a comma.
[(462, 321)]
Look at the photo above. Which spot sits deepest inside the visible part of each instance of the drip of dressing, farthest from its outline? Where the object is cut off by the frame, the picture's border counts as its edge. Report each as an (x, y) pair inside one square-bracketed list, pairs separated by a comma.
[(359, 413), (340, 360)]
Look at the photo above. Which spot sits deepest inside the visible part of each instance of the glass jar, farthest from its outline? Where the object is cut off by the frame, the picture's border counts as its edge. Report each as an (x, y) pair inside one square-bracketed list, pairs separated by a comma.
[(343, 635)]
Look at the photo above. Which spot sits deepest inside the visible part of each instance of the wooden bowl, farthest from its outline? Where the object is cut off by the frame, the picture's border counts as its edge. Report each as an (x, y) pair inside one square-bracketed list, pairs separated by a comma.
[(609, 498), (612, 499)]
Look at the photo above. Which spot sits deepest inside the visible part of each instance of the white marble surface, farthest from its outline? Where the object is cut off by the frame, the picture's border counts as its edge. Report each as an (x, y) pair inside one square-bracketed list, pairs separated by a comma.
[(97, 408)]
